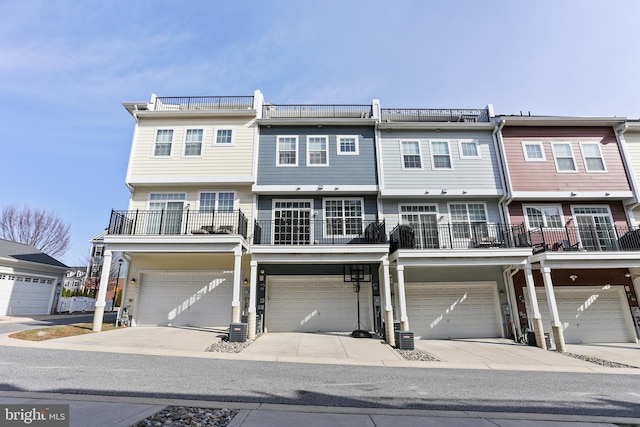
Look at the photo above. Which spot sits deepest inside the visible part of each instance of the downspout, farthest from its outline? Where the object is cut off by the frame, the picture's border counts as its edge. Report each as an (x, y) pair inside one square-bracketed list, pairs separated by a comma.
[(507, 275), (619, 131), (507, 198), (375, 105)]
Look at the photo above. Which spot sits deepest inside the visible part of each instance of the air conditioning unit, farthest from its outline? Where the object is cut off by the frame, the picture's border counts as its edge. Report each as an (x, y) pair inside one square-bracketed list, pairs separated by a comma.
[(404, 340), (238, 332)]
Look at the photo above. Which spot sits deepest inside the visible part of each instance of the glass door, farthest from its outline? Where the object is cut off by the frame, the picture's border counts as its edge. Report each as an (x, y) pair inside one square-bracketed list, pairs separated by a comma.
[(423, 220), (165, 214), (595, 228), (292, 223)]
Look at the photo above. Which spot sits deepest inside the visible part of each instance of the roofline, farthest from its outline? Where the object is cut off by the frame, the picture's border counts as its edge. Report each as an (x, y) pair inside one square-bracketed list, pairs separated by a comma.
[(561, 120)]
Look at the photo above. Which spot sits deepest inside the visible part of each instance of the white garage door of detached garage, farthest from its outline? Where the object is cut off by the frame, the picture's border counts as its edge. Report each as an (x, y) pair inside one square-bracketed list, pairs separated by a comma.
[(316, 304), (446, 311), (588, 314), (186, 298), (20, 294)]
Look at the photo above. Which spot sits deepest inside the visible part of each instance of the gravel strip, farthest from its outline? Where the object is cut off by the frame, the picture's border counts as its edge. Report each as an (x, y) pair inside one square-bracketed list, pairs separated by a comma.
[(598, 361), (187, 416), (417, 355), (224, 346)]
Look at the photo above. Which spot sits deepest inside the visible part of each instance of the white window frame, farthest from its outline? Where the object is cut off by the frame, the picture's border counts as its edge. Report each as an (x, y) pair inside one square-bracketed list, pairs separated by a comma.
[(468, 141), (184, 145), (344, 218), (348, 153), (217, 193), (287, 165), (584, 157), (155, 143), (533, 159), (544, 218), (326, 151), (223, 144), (433, 166), (402, 154), (555, 157)]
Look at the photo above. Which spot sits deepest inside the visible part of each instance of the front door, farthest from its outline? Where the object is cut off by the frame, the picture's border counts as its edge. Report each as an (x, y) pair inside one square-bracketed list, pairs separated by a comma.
[(292, 223)]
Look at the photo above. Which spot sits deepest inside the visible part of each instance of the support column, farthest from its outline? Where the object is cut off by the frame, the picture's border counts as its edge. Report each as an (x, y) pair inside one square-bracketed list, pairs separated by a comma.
[(556, 325), (388, 308), (533, 301), (98, 314), (404, 320), (251, 334), (235, 303)]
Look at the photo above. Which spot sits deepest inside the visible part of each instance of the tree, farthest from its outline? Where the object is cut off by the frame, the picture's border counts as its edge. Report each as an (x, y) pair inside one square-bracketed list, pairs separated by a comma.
[(36, 227)]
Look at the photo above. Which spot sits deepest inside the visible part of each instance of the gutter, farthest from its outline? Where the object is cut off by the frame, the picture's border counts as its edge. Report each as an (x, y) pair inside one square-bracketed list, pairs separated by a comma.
[(619, 131), (505, 200)]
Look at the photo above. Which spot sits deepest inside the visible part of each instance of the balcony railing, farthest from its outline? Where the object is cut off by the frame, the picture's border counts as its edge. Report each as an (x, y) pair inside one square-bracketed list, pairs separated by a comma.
[(582, 238), (281, 111), (455, 236), (435, 115), (319, 232), (187, 103), (177, 222)]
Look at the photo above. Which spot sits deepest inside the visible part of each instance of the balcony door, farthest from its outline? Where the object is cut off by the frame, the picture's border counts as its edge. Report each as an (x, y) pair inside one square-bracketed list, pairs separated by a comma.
[(165, 213), (423, 220), (595, 228), (292, 222)]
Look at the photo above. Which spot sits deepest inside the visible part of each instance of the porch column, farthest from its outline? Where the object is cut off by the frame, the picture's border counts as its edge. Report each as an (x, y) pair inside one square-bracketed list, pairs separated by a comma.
[(404, 320), (235, 303), (98, 314), (533, 300), (556, 326), (251, 334), (388, 308)]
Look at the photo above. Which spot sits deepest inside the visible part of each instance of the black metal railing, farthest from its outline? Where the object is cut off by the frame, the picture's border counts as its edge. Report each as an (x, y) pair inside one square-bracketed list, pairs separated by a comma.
[(282, 111), (319, 232), (186, 103), (455, 236), (177, 222), (582, 238), (434, 115)]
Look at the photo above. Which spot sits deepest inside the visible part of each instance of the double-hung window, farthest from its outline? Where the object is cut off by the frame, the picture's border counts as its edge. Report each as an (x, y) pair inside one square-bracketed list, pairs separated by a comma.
[(543, 216), (563, 155), (162, 146), (440, 155), (343, 217), (216, 201), (411, 157), (193, 142), (317, 151), (469, 220), (347, 145), (287, 151), (592, 155), (224, 136), (533, 151)]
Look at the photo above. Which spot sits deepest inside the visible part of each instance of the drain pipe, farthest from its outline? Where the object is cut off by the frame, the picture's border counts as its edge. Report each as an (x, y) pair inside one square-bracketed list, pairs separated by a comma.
[(619, 131), (507, 275), (507, 198)]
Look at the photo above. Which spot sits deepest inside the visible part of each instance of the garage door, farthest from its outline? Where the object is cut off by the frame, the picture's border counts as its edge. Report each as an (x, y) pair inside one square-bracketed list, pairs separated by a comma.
[(311, 304), (195, 299), (588, 314), (448, 311), (21, 295)]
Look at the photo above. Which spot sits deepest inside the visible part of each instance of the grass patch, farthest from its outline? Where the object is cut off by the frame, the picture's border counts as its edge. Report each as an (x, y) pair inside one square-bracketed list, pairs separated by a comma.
[(61, 331)]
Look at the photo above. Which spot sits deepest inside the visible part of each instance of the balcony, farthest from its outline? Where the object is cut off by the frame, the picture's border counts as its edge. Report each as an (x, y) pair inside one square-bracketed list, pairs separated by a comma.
[(391, 115), (319, 232), (192, 103), (282, 111), (582, 238), (177, 222)]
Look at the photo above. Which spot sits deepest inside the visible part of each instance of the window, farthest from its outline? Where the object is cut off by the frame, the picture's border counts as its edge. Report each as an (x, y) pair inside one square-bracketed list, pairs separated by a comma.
[(224, 136), (469, 150), (287, 151), (440, 155), (343, 217), (563, 155), (592, 156), (193, 142), (543, 216), (423, 220), (468, 219), (348, 145), (533, 151), (164, 138), (317, 151), (98, 250), (220, 202), (411, 158)]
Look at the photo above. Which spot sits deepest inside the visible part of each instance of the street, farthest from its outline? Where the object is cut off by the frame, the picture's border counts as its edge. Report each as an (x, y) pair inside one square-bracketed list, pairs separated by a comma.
[(77, 372)]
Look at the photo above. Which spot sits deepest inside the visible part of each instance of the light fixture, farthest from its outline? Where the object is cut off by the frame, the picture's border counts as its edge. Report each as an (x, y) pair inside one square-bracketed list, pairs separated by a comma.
[(298, 188), (573, 277), (246, 282), (336, 188), (319, 126), (521, 298), (320, 187), (261, 271), (426, 191), (573, 193), (464, 191), (133, 281), (607, 194), (444, 191), (627, 275)]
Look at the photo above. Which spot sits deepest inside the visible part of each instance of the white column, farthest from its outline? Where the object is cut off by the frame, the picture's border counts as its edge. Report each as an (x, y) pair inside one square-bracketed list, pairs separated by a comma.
[(98, 314), (533, 302), (404, 320), (251, 333), (556, 325), (388, 308), (237, 273)]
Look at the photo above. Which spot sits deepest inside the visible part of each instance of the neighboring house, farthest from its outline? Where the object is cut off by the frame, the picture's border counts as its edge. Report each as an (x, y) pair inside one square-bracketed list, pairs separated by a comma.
[(29, 280), (94, 268), (441, 186), (569, 189), (74, 278)]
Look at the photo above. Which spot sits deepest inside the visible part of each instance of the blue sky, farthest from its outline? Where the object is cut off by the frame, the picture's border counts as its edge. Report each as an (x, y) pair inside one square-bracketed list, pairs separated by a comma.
[(67, 66)]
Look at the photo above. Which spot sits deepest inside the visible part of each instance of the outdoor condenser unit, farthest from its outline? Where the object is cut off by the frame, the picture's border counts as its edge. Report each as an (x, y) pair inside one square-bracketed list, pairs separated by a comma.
[(238, 332), (404, 340)]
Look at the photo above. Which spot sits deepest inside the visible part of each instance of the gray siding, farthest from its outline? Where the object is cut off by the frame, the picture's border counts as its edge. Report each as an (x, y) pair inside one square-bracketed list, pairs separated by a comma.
[(265, 205), (352, 169)]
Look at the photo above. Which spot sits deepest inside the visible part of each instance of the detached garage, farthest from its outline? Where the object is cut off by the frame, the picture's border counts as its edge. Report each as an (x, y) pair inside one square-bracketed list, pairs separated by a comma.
[(186, 298), (453, 310)]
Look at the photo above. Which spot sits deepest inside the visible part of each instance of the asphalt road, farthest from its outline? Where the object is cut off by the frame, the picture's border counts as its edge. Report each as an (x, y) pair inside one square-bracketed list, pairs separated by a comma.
[(17, 324), (29, 369)]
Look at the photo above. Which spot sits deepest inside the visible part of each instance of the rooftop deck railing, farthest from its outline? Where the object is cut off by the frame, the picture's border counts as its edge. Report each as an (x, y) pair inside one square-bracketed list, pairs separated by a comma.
[(434, 115), (282, 111), (177, 222), (319, 232), (188, 103)]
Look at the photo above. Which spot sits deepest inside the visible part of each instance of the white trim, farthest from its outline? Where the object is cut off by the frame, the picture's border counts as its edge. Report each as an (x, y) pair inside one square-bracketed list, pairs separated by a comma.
[(287, 165), (469, 141), (307, 189), (431, 154), (400, 204), (402, 154), (451, 192), (546, 195), (216, 129), (555, 157), (584, 157), (533, 159), (155, 141), (184, 143), (542, 206), (357, 143), (217, 193), (325, 218), (326, 151)]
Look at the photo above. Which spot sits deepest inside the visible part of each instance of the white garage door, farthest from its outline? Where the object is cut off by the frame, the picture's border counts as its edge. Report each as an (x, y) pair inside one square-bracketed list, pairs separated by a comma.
[(446, 311), (196, 299), (588, 314), (22, 295), (316, 304)]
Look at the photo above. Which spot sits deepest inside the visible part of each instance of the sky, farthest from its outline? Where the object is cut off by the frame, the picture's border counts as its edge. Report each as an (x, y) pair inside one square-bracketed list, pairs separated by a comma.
[(66, 67)]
